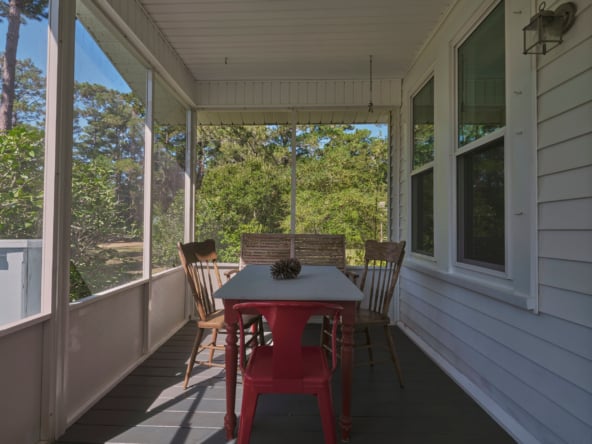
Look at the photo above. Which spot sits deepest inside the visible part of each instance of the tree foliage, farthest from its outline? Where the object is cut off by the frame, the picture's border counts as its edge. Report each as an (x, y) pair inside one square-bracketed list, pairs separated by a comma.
[(29, 94), (21, 183), (341, 184)]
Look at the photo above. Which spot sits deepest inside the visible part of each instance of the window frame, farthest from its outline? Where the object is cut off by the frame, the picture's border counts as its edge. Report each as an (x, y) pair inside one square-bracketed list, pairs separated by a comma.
[(517, 284), (422, 169), (463, 150)]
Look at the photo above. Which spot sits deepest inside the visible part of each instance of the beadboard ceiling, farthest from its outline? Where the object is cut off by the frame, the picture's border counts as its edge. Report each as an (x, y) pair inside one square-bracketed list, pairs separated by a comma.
[(296, 39)]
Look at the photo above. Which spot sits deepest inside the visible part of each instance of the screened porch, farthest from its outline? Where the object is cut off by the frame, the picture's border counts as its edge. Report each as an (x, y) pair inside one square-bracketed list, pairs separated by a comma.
[(484, 162)]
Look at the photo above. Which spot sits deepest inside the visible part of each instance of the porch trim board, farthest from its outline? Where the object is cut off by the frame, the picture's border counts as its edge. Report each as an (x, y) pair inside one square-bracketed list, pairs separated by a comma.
[(297, 93)]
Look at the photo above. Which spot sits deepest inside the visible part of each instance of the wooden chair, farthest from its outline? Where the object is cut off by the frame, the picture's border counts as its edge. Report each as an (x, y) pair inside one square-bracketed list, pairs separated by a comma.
[(320, 249), (200, 262), (264, 248), (383, 262), (309, 249), (287, 366)]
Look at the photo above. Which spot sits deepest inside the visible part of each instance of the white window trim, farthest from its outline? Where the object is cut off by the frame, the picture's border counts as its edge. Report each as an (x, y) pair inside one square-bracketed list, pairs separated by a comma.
[(517, 285)]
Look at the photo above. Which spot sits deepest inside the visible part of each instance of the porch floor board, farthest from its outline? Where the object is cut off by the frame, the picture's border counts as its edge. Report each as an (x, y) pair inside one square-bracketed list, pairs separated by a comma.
[(150, 406)]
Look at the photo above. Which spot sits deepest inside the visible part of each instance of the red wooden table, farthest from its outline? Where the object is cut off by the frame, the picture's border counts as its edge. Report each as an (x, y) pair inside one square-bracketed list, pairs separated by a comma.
[(314, 283)]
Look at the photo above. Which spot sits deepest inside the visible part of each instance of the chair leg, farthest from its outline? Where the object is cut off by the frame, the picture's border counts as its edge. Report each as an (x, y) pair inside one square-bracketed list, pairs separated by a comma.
[(369, 345), (327, 415), (191, 363), (261, 332), (325, 328), (248, 407), (393, 352), (213, 345)]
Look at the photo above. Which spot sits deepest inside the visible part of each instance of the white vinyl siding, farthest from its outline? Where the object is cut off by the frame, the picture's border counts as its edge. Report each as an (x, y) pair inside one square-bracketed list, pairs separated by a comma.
[(531, 370), (565, 175)]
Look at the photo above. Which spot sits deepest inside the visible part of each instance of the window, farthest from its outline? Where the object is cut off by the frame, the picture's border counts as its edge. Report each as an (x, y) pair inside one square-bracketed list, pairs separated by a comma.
[(107, 162), (168, 177), (22, 123), (480, 154), (422, 178), (481, 205)]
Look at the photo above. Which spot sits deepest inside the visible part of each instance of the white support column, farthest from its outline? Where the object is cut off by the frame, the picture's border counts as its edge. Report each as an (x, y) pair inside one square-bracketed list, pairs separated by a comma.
[(148, 151), (55, 279), (148, 158), (190, 177), (189, 231), (293, 187), (394, 156)]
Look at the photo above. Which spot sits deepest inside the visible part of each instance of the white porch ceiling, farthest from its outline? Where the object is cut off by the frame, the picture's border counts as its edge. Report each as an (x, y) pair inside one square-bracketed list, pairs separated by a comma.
[(296, 40)]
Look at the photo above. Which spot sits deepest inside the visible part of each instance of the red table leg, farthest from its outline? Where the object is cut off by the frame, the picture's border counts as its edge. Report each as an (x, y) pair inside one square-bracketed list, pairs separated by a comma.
[(231, 320), (347, 329)]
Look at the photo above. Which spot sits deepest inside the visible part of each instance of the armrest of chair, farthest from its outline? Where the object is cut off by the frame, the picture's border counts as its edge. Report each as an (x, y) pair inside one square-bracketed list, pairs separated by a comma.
[(230, 273)]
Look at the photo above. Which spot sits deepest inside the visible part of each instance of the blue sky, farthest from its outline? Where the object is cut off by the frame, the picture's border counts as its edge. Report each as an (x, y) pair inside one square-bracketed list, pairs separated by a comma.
[(91, 64)]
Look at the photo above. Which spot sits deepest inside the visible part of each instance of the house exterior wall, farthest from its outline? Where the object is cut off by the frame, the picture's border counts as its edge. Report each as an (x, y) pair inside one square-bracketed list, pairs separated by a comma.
[(529, 364), (564, 158)]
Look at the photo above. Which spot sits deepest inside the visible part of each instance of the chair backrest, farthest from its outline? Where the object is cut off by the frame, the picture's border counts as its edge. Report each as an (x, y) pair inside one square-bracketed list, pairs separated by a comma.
[(310, 249), (264, 248), (320, 249), (200, 262), (382, 264), (287, 320)]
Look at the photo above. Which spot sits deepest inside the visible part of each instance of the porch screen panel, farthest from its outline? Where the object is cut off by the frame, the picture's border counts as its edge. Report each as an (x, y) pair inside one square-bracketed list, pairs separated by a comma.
[(243, 184), (108, 159), (168, 177), (341, 185), (22, 142)]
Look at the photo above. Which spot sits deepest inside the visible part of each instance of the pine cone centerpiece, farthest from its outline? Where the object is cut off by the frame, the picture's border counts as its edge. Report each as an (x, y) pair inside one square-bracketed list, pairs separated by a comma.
[(286, 269)]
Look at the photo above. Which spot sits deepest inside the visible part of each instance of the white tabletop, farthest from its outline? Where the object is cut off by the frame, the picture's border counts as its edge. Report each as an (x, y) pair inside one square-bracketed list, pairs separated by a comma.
[(314, 283)]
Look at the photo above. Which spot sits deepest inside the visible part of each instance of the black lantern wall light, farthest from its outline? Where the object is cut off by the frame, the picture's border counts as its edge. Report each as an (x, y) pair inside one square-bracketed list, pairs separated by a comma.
[(546, 28)]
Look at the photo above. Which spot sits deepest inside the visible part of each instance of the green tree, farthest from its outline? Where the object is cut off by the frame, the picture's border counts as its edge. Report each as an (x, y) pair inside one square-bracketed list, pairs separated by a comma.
[(111, 123), (15, 12), (21, 183), (97, 217), (107, 187), (244, 184), (29, 94), (342, 186), (168, 178)]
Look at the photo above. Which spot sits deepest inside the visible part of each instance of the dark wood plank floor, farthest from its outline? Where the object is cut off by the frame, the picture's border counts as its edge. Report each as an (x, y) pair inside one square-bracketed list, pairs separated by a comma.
[(150, 405)]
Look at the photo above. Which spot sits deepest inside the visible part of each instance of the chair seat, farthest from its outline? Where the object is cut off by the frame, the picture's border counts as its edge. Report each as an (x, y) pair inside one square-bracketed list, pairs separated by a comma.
[(367, 317), (316, 371), (216, 320)]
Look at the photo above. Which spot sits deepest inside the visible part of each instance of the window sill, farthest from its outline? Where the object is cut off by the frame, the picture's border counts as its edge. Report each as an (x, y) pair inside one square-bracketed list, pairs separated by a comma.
[(485, 287)]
